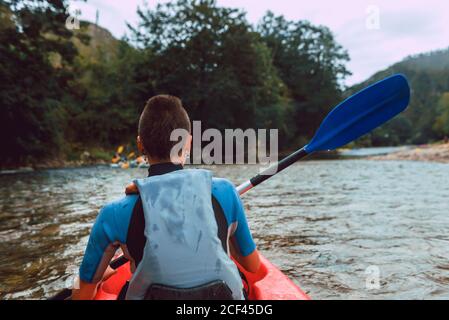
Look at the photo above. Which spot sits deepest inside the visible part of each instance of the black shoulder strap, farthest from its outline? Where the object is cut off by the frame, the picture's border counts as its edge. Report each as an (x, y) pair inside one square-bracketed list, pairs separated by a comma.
[(222, 224), (136, 239)]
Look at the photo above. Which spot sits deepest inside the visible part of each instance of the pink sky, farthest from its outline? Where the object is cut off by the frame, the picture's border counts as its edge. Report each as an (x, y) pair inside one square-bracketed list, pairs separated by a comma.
[(406, 26)]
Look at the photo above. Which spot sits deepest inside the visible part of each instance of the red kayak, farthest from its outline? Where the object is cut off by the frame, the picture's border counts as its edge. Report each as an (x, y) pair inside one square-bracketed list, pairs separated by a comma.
[(269, 283)]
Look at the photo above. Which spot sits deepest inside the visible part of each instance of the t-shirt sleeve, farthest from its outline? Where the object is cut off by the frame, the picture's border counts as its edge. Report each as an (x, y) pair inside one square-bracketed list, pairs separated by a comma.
[(109, 230), (226, 194)]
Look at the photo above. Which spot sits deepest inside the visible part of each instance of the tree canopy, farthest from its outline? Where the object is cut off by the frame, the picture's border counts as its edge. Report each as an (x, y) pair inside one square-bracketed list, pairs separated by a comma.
[(32, 84), (67, 89)]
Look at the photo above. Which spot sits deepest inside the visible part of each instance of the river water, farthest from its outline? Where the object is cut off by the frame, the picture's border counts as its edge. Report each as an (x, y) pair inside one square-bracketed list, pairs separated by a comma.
[(332, 226)]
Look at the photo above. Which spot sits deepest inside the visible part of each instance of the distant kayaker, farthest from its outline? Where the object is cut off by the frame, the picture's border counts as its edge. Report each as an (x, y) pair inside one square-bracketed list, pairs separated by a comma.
[(178, 227)]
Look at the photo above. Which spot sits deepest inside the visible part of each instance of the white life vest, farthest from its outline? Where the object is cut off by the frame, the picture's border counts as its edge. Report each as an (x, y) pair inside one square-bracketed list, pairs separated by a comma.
[(182, 248)]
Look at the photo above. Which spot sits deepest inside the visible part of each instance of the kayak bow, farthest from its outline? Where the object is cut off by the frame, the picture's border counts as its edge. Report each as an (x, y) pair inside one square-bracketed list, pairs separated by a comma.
[(269, 283)]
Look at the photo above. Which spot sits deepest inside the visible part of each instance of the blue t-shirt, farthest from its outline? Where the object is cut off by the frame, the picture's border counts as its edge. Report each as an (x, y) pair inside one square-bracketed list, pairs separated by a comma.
[(110, 230)]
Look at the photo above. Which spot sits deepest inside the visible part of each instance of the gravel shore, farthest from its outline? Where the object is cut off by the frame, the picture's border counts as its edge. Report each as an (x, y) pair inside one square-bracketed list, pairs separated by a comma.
[(430, 153)]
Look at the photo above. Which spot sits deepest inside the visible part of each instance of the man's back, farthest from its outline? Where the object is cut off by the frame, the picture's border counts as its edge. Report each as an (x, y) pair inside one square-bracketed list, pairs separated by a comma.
[(112, 227)]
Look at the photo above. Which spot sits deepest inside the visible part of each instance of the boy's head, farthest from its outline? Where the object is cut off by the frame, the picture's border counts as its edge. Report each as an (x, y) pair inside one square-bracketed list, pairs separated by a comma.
[(162, 115)]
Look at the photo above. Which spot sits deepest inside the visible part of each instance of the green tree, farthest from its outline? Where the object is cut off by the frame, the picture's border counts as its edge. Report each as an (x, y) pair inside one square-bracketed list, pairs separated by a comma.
[(209, 56), (310, 63), (441, 125), (32, 116), (108, 96)]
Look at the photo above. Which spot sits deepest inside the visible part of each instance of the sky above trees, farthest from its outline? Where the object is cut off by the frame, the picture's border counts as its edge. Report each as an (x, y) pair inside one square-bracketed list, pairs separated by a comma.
[(406, 27)]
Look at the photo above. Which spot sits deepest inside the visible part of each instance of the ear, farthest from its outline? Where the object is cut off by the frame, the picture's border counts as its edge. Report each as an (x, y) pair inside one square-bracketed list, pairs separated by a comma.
[(188, 145), (140, 145), (186, 149)]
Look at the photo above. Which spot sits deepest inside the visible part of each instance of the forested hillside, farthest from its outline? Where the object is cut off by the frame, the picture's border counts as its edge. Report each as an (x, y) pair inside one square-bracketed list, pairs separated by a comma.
[(63, 91), (427, 118)]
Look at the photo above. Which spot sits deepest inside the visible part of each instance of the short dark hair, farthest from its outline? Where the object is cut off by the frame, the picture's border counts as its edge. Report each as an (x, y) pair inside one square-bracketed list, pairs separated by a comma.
[(162, 115)]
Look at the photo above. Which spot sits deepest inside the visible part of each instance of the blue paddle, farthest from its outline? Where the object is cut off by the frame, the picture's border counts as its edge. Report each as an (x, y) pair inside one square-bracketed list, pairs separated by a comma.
[(351, 119)]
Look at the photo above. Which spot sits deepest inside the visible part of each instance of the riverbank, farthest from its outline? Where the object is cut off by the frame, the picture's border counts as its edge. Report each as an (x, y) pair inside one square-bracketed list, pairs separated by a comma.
[(428, 153), (53, 164), (74, 160)]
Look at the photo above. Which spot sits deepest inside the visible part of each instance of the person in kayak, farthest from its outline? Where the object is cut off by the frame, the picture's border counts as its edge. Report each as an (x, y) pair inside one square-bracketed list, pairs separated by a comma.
[(178, 227)]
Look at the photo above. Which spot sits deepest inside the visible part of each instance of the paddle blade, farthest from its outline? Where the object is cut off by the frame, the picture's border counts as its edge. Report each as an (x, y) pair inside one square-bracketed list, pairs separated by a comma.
[(361, 113)]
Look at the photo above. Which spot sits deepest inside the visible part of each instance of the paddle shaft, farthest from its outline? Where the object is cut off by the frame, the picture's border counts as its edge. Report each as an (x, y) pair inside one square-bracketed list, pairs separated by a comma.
[(117, 263), (271, 171)]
